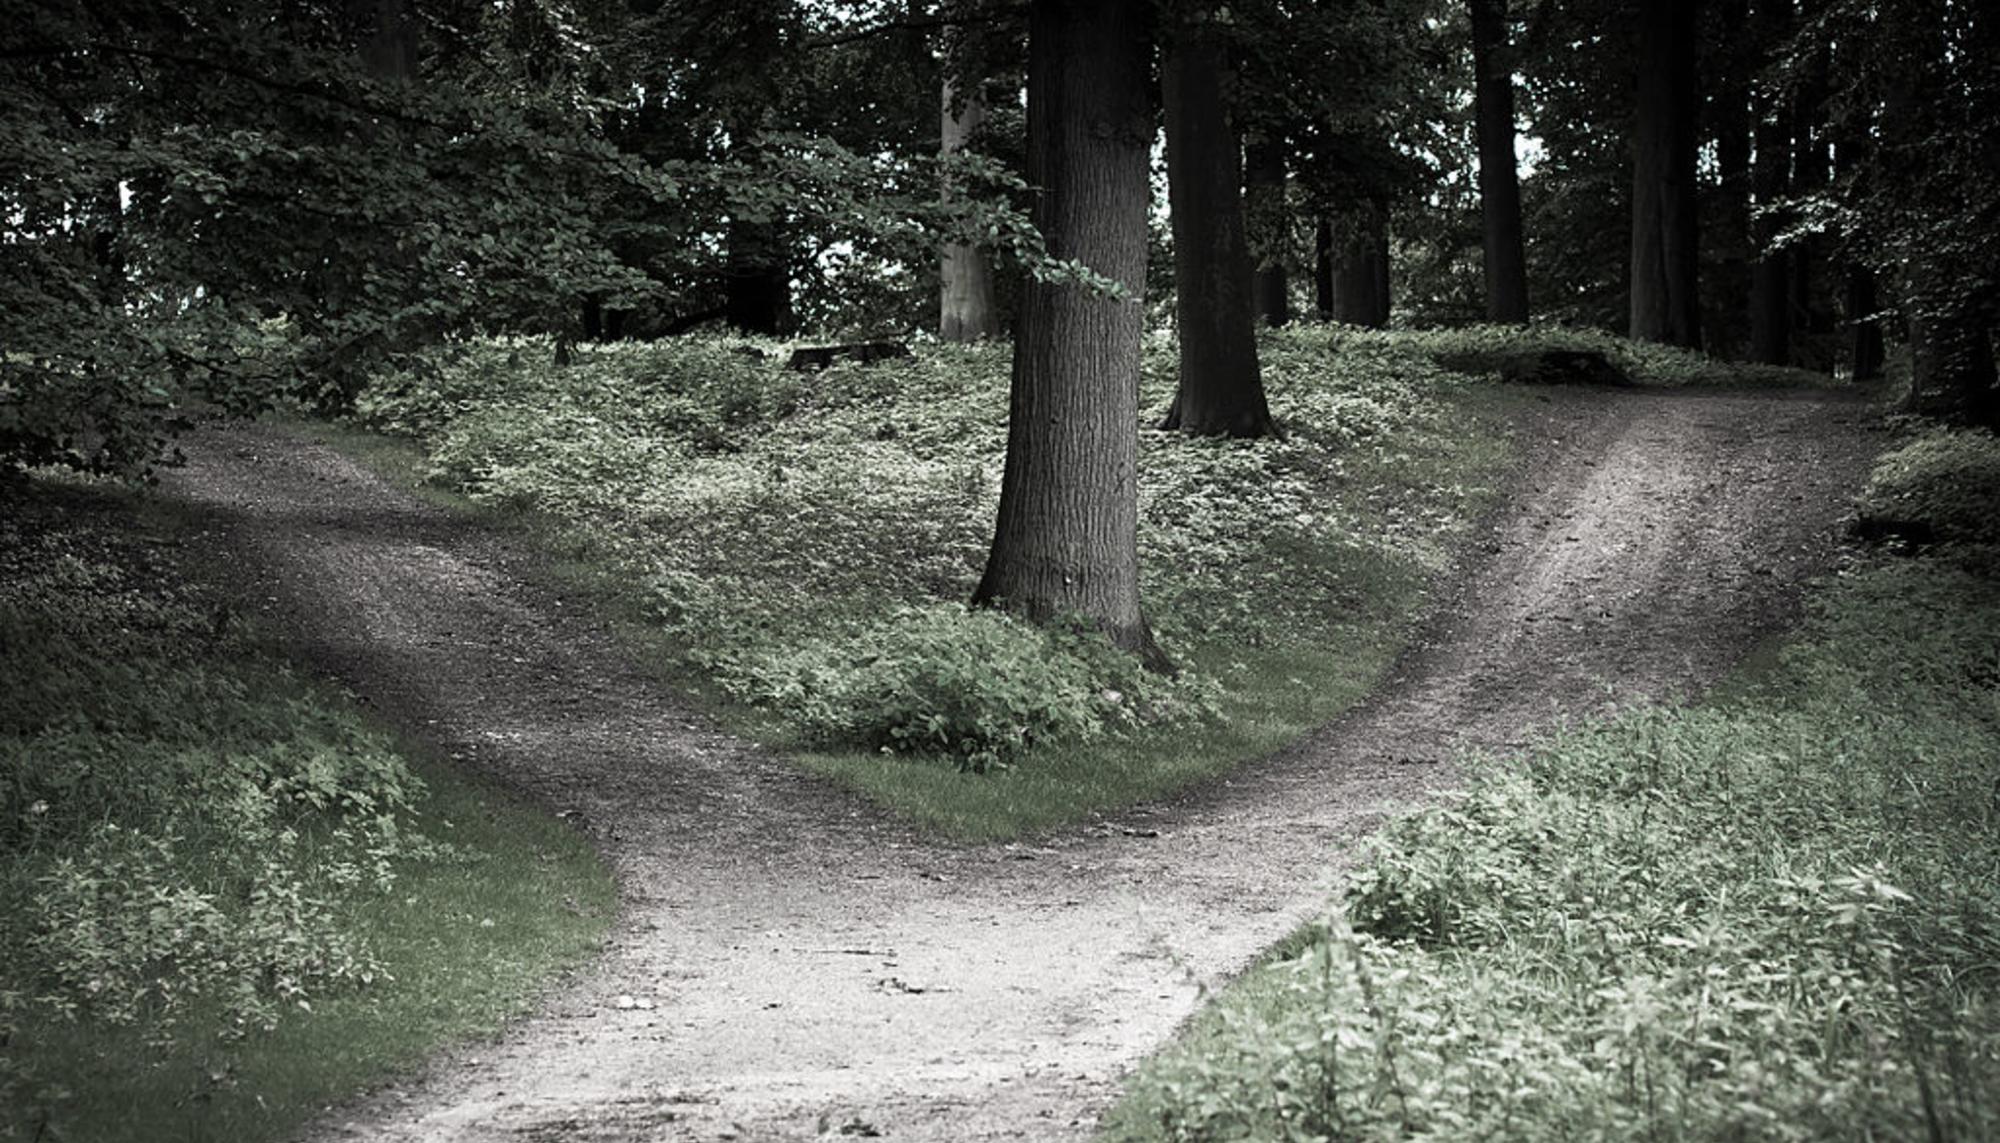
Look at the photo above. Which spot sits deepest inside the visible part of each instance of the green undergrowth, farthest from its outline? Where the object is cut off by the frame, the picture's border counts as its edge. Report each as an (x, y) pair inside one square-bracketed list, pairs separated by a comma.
[(1502, 350), (1775, 915), (230, 899), (1940, 486), (805, 542)]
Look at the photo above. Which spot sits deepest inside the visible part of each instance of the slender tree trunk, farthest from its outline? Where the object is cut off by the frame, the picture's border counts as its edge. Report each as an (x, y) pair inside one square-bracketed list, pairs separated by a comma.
[(1499, 177), (1770, 274), (1066, 542), (1726, 314), (1269, 226), (966, 307), (1359, 263), (1666, 253), (1323, 268), (1811, 169), (757, 285), (1221, 391), (1865, 351)]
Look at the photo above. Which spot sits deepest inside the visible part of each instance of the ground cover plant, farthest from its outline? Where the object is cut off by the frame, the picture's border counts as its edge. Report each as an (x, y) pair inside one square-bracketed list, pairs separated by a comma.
[(1775, 915), (807, 542), (231, 900)]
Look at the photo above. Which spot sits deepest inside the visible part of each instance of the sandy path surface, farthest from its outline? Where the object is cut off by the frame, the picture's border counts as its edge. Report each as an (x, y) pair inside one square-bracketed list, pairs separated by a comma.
[(789, 963)]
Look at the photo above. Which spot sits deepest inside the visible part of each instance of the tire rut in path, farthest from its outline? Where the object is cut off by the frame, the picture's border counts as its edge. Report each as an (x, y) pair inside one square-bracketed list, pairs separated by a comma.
[(789, 962)]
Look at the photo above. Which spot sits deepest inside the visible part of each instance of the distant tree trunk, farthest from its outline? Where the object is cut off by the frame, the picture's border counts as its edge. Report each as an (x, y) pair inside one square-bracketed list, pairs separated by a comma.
[(1221, 391), (389, 37), (757, 284), (1770, 274), (1359, 265), (1726, 315), (1066, 542), (966, 307), (1269, 226), (1666, 253), (1952, 368), (1865, 352), (1811, 169), (1323, 268), (1499, 178)]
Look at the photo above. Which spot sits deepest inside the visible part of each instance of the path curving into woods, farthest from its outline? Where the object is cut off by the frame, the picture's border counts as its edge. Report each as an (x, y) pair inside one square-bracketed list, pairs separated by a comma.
[(790, 963)]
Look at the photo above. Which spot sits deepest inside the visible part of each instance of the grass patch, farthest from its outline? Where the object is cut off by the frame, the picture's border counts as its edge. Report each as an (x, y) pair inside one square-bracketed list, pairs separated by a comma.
[(232, 901), (1775, 915), (802, 543)]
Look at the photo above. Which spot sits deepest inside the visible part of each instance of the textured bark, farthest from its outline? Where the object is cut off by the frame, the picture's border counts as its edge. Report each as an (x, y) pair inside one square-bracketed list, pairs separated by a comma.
[(1269, 226), (1864, 346), (967, 310), (1726, 313), (1323, 268), (1221, 391), (1770, 274), (1066, 542), (1499, 178), (757, 285), (1358, 257), (1666, 255)]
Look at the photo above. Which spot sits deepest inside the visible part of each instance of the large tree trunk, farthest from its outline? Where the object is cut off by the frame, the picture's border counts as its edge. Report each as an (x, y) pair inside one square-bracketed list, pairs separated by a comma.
[(1221, 391), (1770, 274), (757, 284), (1066, 542), (1499, 178), (1269, 226), (1666, 254), (966, 307), (1358, 264)]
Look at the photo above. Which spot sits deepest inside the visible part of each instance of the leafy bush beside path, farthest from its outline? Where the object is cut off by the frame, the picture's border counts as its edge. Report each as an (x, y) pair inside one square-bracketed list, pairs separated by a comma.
[(1776, 916)]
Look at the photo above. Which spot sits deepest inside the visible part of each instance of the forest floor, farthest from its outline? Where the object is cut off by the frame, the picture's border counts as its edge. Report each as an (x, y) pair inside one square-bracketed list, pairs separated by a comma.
[(792, 963)]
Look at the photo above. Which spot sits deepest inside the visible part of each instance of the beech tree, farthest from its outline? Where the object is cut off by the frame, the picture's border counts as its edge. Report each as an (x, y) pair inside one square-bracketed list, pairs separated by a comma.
[(1499, 176), (1221, 390), (1066, 541), (1666, 255), (966, 307)]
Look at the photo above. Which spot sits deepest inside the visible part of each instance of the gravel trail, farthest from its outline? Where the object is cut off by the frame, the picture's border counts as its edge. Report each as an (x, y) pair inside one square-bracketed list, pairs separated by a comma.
[(790, 963)]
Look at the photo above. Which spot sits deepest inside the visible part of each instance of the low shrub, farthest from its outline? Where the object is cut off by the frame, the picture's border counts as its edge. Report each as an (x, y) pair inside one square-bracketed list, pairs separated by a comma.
[(1775, 917), (1943, 486), (180, 818), (977, 686)]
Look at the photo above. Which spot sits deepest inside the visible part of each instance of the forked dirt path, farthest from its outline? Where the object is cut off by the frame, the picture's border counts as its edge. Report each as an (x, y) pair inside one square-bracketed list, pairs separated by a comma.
[(791, 964)]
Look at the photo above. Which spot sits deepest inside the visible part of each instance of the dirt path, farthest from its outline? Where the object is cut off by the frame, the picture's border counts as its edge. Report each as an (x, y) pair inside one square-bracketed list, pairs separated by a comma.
[(791, 964)]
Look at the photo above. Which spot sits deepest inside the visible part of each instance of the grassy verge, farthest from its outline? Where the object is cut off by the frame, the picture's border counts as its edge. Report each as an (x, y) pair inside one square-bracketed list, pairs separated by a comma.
[(797, 548), (231, 900), (1773, 916), (794, 548)]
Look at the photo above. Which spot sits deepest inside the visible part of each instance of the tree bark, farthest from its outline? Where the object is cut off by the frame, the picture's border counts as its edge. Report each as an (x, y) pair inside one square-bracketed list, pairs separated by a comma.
[(1269, 226), (1358, 281), (1066, 541), (1770, 274), (1726, 315), (1865, 351), (1499, 177), (1221, 391), (757, 285), (1323, 268), (966, 308), (1666, 254)]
